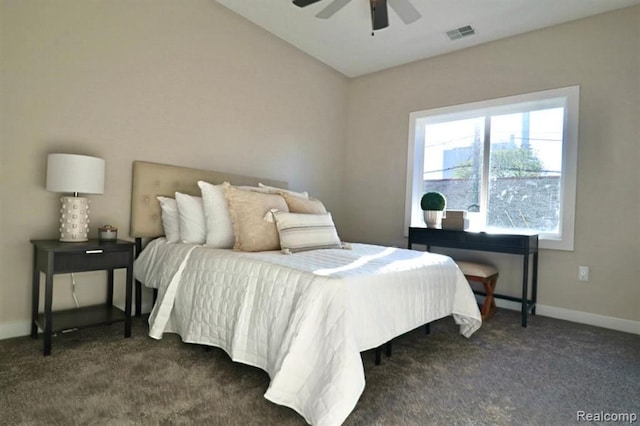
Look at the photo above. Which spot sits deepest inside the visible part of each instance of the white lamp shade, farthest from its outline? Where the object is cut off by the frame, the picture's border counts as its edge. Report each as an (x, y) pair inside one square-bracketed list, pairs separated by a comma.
[(75, 173)]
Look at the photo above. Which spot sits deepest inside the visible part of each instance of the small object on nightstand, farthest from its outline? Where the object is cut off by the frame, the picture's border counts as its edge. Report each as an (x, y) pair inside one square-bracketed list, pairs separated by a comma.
[(107, 233)]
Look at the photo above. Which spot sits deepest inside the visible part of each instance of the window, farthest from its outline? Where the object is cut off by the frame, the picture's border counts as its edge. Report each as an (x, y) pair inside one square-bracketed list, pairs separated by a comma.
[(510, 162)]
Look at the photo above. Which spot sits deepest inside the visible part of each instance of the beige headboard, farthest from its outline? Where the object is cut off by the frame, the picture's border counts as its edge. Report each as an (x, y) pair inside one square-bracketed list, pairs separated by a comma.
[(152, 179)]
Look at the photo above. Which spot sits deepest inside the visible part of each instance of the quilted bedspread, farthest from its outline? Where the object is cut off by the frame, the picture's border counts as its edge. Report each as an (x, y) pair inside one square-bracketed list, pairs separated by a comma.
[(303, 318)]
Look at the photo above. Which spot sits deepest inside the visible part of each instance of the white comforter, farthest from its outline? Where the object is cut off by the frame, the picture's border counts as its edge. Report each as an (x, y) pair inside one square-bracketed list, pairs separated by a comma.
[(303, 318)]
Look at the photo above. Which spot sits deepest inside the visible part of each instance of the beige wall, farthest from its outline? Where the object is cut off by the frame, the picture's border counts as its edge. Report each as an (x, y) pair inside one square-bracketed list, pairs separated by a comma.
[(602, 55), (191, 83), (188, 83)]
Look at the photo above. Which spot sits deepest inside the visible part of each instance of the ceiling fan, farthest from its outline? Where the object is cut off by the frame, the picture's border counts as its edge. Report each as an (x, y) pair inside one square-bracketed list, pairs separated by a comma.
[(379, 15)]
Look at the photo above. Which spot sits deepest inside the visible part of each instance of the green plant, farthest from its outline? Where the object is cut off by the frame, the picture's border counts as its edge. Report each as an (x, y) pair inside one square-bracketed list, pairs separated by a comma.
[(433, 201)]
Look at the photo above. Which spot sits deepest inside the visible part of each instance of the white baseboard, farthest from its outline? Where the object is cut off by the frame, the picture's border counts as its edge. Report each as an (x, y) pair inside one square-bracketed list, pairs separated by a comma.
[(628, 326), (619, 324), (10, 330)]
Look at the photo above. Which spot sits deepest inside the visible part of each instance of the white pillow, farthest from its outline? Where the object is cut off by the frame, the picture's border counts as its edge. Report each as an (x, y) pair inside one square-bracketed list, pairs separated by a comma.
[(305, 231), (191, 218), (219, 229), (170, 221), (274, 190)]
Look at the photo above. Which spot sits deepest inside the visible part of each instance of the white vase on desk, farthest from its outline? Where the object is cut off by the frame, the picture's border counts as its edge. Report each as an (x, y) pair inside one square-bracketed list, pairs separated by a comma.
[(433, 218)]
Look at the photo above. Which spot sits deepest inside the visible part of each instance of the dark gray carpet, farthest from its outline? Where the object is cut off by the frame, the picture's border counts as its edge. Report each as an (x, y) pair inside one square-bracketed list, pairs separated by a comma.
[(504, 374)]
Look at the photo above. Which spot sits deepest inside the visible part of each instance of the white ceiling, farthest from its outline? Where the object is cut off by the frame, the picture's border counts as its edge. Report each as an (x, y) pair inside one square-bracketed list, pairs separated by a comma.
[(344, 41)]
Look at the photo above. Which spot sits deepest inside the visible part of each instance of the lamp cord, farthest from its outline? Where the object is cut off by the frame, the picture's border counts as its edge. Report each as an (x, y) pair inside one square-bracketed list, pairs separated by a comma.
[(73, 289)]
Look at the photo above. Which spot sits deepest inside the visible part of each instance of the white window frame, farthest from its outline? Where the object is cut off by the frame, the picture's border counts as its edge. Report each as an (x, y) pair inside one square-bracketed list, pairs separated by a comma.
[(568, 97)]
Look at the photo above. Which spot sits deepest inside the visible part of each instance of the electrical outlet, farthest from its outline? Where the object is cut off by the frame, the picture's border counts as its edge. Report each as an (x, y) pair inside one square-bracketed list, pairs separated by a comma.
[(583, 273)]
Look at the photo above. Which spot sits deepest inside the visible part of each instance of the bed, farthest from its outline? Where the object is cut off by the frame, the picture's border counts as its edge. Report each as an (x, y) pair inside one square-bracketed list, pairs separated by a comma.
[(305, 317)]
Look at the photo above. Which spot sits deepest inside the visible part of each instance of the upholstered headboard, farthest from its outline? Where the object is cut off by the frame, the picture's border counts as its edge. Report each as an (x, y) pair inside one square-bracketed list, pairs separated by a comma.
[(152, 179)]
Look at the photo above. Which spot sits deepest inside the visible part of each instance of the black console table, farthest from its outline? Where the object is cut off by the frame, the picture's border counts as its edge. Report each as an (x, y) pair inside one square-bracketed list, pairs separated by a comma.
[(520, 244)]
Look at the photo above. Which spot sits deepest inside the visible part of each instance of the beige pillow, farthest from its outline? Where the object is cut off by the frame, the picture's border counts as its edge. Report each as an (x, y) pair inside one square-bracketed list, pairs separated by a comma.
[(274, 190), (303, 205), (248, 209)]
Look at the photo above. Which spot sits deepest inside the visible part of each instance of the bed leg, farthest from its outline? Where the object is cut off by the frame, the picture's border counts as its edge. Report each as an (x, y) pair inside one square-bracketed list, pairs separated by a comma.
[(138, 298), (378, 355), (388, 348), (138, 249), (427, 328)]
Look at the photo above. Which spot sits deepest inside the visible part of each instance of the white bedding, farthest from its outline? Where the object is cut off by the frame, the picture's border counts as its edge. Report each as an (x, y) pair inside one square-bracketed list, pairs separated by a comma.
[(303, 318)]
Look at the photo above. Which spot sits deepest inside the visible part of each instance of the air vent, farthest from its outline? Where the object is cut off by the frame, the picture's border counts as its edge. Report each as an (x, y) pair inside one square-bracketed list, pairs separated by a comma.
[(461, 32)]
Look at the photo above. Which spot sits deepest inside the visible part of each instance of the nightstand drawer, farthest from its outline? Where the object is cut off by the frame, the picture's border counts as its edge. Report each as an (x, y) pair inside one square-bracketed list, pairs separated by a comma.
[(91, 260)]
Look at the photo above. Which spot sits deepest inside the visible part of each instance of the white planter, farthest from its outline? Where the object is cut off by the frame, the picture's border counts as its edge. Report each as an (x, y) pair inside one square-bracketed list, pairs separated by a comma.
[(433, 218)]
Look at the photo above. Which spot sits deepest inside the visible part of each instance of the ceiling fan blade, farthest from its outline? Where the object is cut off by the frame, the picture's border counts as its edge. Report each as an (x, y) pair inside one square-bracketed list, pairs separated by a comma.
[(332, 8), (379, 14), (303, 3), (405, 10)]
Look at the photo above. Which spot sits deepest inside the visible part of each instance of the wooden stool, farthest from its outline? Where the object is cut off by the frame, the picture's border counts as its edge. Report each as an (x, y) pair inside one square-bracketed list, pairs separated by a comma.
[(488, 276)]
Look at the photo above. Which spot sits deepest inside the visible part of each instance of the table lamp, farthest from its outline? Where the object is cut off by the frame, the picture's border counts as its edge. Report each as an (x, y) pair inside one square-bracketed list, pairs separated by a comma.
[(71, 173)]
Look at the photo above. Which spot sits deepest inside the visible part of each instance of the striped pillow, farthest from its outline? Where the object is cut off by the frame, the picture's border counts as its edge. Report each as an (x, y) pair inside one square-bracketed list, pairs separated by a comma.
[(304, 231)]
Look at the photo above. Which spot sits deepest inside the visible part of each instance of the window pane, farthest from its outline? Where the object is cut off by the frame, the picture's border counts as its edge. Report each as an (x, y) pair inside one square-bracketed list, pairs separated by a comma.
[(525, 170), (511, 160), (453, 161)]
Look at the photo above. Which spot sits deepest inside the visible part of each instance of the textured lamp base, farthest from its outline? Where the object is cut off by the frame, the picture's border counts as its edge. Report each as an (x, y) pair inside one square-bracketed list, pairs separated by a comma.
[(74, 219)]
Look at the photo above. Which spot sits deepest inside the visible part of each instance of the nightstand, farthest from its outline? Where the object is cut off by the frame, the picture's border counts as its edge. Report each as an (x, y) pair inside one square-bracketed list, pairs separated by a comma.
[(54, 257)]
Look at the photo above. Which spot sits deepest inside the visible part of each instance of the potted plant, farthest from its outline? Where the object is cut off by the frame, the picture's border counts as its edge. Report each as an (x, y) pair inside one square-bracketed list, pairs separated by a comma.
[(433, 204)]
